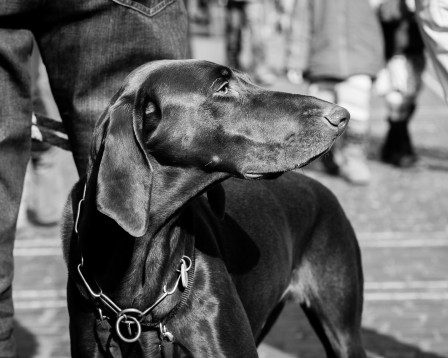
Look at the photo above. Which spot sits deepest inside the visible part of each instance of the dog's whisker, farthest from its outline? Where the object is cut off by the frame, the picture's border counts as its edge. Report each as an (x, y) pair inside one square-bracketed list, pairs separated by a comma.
[(214, 83)]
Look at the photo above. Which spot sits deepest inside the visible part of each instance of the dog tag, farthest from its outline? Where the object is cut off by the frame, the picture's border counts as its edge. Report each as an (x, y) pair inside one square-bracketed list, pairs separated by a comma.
[(183, 274), (129, 329)]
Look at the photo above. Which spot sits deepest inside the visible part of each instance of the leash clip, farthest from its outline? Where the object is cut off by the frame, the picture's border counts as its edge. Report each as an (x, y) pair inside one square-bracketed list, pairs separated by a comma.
[(166, 336)]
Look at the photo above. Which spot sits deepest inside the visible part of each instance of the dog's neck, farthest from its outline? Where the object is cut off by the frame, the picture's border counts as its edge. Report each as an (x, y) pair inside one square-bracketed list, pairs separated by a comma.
[(173, 188), (135, 270)]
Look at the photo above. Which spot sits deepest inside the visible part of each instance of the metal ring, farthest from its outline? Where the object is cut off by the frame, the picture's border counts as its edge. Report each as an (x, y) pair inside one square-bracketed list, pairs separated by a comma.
[(134, 320), (185, 258)]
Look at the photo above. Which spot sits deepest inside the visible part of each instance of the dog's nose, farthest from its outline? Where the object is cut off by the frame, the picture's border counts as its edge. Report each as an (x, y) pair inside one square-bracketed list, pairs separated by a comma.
[(338, 116)]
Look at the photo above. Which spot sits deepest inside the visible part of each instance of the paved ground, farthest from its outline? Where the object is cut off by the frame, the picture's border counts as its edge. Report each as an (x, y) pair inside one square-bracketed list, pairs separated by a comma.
[(401, 221)]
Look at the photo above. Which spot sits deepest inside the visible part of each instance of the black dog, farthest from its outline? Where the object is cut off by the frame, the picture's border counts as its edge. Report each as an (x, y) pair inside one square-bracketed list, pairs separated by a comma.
[(157, 271)]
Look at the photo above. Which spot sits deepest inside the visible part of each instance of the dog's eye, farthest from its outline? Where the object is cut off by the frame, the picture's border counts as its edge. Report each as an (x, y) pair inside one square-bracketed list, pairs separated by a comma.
[(224, 88)]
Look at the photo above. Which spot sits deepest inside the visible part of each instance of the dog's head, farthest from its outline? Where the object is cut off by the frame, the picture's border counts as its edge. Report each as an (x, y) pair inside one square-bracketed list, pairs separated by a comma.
[(197, 114)]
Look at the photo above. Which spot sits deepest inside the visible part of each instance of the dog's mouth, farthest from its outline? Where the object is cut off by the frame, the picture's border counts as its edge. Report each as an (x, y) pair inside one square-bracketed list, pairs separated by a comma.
[(274, 175)]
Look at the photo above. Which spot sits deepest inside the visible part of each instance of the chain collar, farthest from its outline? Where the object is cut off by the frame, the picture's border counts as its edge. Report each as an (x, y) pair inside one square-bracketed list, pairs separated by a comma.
[(133, 318)]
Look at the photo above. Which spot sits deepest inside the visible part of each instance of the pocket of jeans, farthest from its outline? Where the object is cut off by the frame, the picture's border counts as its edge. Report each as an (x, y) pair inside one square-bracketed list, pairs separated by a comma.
[(146, 7)]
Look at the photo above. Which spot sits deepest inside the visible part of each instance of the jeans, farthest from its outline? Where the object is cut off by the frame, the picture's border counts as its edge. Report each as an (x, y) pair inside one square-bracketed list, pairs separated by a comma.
[(88, 47)]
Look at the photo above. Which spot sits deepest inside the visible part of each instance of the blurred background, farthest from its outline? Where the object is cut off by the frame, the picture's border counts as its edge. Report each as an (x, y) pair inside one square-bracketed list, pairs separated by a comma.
[(390, 171)]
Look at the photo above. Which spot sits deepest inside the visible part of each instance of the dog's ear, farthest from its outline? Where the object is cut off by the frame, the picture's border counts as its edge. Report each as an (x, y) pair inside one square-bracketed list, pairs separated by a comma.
[(125, 173), (217, 200)]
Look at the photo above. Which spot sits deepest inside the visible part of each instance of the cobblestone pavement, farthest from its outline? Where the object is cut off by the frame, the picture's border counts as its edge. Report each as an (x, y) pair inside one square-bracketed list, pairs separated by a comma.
[(401, 222)]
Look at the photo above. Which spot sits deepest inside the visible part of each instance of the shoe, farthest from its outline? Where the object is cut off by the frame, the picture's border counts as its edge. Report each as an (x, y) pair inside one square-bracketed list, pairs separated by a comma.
[(349, 163), (397, 149), (353, 165)]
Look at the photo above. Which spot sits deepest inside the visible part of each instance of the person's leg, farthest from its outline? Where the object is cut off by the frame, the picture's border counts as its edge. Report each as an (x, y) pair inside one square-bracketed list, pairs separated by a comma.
[(326, 90), (348, 157), (45, 200), (405, 76), (257, 23), (97, 45), (297, 38), (15, 139), (233, 34), (399, 83), (354, 94)]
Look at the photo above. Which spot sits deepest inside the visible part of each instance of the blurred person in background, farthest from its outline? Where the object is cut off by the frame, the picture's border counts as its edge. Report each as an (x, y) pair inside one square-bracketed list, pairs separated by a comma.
[(295, 21), (346, 53), (199, 11), (88, 48), (401, 80), (253, 15)]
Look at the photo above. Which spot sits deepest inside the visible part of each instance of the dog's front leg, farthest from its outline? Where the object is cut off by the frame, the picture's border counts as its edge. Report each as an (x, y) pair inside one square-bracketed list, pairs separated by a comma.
[(83, 335), (215, 323)]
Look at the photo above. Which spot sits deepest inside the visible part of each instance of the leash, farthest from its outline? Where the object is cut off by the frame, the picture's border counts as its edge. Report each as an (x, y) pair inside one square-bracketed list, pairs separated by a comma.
[(47, 130), (132, 319)]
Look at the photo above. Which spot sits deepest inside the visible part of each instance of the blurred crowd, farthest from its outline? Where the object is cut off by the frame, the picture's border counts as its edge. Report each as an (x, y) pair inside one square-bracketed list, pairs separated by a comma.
[(342, 50)]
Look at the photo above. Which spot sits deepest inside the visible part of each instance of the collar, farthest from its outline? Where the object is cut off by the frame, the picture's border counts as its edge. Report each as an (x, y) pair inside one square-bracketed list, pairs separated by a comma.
[(128, 322)]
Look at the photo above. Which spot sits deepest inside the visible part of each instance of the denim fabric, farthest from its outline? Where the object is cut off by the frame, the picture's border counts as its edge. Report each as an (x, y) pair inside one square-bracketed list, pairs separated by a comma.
[(88, 47), (15, 112)]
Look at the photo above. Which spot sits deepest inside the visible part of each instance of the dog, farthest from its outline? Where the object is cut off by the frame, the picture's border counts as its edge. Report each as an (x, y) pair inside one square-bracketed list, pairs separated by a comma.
[(174, 245)]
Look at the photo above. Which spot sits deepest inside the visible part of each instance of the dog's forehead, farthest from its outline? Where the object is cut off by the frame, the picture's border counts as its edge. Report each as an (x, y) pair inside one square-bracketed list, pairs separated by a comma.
[(201, 69), (175, 75), (189, 75), (197, 70), (198, 64)]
